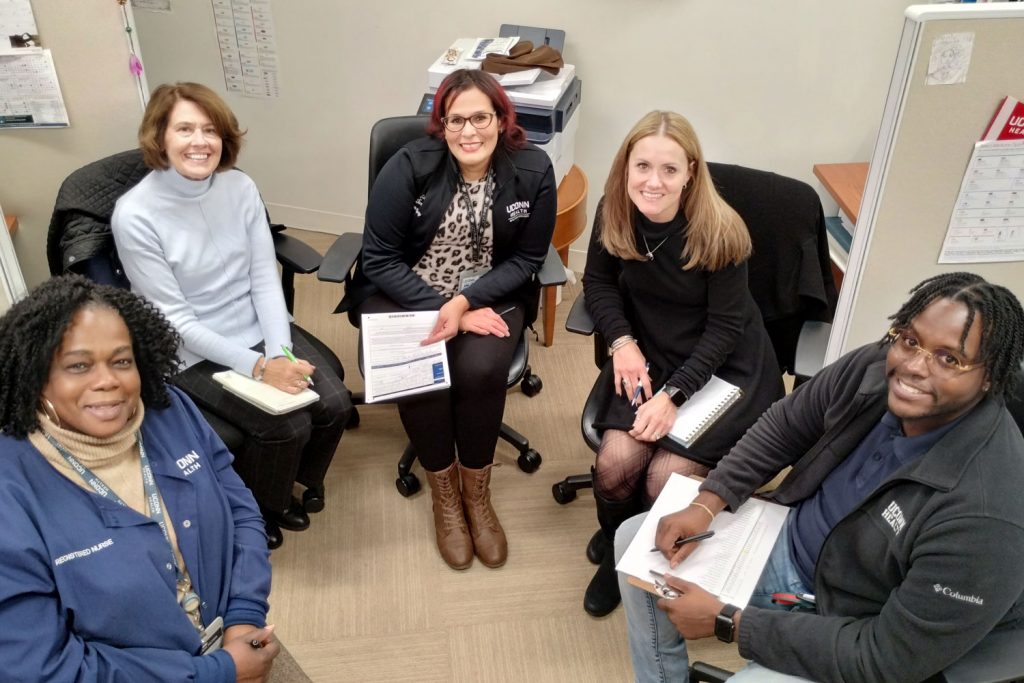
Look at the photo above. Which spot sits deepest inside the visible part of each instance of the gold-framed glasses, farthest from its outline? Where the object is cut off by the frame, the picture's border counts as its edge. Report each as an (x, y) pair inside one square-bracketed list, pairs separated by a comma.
[(906, 345), (479, 120)]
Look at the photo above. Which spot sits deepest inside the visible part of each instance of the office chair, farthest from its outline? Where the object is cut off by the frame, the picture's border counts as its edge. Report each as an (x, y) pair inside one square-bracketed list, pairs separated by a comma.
[(789, 275), (386, 137), (79, 240)]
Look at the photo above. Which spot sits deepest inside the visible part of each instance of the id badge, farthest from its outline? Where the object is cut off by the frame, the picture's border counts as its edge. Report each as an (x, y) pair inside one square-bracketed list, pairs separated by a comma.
[(468, 277), (212, 637)]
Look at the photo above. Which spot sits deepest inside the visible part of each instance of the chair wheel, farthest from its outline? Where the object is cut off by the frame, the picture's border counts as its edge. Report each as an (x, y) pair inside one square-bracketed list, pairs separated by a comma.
[(353, 419), (563, 494), (407, 484), (531, 385), (529, 461)]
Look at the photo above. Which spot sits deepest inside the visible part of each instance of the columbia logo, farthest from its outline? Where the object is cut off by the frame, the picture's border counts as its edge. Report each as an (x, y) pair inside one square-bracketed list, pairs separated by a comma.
[(956, 595)]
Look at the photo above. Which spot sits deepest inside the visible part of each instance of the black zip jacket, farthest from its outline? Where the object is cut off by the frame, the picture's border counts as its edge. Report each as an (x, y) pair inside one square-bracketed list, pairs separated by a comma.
[(923, 569), (406, 206)]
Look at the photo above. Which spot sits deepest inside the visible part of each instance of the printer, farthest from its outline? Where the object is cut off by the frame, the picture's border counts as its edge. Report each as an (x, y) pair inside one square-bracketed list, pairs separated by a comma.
[(546, 107)]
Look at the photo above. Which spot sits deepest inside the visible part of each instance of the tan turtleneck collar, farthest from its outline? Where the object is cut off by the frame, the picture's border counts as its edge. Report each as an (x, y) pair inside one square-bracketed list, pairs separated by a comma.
[(114, 459)]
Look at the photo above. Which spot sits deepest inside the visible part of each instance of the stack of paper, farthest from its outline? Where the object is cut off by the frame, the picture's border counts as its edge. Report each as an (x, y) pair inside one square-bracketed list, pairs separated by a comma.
[(728, 565)]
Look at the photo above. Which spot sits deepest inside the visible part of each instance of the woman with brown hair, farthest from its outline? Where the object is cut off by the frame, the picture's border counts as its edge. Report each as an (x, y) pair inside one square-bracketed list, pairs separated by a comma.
[(194, 239), (666, 284)]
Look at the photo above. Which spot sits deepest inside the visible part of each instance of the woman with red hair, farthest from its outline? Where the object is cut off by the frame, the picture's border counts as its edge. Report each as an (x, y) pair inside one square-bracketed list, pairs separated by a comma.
[(459, 222)]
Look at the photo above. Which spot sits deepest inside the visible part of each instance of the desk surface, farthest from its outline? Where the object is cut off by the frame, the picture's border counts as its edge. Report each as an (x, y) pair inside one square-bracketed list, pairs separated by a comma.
[(12, 224), (845, 182)]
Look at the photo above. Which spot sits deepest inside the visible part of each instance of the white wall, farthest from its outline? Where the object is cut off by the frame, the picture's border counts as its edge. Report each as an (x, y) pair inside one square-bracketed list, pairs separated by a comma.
[(773, 85), (91, 57)]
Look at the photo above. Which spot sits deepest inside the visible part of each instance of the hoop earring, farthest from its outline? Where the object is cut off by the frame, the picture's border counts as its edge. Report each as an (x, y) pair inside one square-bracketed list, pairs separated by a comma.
[(49, 411)]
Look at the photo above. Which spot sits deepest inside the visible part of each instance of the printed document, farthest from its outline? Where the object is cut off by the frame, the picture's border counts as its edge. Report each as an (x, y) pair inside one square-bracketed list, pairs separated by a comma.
[(394, 363), (727, 565)]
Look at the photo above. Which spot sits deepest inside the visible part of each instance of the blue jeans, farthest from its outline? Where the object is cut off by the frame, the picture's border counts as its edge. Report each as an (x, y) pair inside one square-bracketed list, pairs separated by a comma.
[(656, 647)]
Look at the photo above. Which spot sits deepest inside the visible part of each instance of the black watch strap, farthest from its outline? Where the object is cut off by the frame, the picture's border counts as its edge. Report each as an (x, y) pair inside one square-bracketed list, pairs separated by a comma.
[(676, 395), (725, 627)]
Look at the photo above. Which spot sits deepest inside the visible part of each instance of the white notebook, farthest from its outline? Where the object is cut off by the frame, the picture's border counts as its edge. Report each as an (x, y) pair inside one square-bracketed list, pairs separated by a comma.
[(262, 395), (702, 410), (728, 565)]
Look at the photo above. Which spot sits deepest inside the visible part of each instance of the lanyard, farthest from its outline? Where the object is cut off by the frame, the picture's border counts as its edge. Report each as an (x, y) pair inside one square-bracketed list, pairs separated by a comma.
[(477, 227), (190, 601)]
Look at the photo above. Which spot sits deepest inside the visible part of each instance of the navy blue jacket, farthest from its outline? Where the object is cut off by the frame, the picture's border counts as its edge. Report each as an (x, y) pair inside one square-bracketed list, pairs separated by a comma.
[(87, 588)]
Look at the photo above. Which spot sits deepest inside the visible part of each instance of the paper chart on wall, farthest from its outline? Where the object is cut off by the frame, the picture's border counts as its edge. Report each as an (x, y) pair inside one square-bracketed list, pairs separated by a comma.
[(29, 92), (987, 225), (17, 26), (248, 47)]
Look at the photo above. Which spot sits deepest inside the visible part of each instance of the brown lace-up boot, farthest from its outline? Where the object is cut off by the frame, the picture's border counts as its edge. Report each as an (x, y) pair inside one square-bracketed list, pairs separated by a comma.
[(488, 536), (453, 540)]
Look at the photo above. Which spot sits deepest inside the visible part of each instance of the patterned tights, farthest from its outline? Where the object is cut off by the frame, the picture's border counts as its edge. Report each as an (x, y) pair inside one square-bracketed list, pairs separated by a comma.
[(624, 465)]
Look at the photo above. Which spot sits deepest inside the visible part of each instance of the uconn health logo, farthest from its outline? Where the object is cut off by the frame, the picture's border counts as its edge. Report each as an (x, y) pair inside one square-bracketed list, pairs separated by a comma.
[(517, 210)]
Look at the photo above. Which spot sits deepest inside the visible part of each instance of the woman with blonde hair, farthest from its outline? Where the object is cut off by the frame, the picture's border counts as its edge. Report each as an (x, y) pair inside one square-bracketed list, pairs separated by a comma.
[(666, 284)]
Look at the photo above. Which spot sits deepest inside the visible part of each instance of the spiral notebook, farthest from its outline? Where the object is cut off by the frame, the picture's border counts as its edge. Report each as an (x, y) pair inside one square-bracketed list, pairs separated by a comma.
[(703, 409), (264, 396)]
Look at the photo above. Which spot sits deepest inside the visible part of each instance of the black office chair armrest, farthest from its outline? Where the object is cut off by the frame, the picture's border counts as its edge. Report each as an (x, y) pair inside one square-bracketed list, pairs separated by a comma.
[(998, 657), (579, 320), (296, 255), (552, 272), (341, 257)]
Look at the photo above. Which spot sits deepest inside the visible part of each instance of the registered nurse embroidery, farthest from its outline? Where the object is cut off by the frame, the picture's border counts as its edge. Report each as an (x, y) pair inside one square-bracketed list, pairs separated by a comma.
[(84, 552), (418, 203), (189, 463), (517, 210), (956, 595), (894, 516)]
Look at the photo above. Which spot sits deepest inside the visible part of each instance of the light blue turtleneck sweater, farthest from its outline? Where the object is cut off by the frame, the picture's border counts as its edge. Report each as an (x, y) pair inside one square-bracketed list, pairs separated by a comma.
[(202, 252)]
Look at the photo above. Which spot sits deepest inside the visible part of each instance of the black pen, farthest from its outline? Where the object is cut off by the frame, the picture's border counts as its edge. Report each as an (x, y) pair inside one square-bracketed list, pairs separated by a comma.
[(680, 542)]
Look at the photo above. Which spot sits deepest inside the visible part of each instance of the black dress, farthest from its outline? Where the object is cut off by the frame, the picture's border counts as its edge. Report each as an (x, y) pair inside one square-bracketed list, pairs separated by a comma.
[(689, 324)]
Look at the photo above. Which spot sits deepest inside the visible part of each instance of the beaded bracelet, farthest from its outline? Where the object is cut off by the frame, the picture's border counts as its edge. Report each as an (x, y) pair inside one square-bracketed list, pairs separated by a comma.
[(705, 508), (261, 369)]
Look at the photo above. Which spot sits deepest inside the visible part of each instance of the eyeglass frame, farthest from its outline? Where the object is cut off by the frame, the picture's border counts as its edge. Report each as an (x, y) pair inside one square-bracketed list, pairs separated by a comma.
[(894, 335), (468, 119)]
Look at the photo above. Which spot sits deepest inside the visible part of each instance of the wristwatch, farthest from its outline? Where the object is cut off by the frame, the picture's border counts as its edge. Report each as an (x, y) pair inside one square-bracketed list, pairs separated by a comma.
[(675, 394), (725, 627)]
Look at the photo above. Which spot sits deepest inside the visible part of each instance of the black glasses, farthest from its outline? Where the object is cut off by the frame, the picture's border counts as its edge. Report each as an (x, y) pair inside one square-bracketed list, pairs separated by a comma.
[(479, 120), (943, 361)]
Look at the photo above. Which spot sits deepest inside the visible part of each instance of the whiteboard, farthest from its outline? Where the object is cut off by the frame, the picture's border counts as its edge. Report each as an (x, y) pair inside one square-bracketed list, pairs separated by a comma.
[(923, 148)]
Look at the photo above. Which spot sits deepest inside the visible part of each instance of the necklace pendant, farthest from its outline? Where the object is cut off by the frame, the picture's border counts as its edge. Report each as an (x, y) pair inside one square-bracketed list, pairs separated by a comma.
[(650, 256)]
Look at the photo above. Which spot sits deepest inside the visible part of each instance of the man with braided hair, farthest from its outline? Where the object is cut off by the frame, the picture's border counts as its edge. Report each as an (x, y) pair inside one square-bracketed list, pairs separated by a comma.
[(906, 520)]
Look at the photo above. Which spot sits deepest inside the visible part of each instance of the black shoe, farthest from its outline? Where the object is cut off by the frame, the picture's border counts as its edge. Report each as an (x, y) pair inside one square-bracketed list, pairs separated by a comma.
[(274, 536), (597, 547), (603, 592), (313, 499), (292, 518)]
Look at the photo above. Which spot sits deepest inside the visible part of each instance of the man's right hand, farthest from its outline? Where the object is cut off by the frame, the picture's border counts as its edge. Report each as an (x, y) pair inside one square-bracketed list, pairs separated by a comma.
[(689, 521)]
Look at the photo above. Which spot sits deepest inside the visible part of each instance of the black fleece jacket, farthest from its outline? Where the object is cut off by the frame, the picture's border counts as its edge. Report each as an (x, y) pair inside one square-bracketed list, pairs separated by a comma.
[(923, 569), (407, 203)]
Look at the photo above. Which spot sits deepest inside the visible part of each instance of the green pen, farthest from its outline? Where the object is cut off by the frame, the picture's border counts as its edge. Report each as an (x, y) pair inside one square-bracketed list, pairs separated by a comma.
[(290, 356)]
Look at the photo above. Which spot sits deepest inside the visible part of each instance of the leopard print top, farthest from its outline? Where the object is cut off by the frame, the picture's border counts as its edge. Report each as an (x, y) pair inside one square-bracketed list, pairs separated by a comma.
[(451, 251)]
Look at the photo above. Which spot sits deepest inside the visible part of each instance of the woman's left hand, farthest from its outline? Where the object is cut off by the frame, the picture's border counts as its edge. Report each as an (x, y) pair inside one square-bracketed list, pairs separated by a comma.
[(448, 319), (484, 321), (654, 418)]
